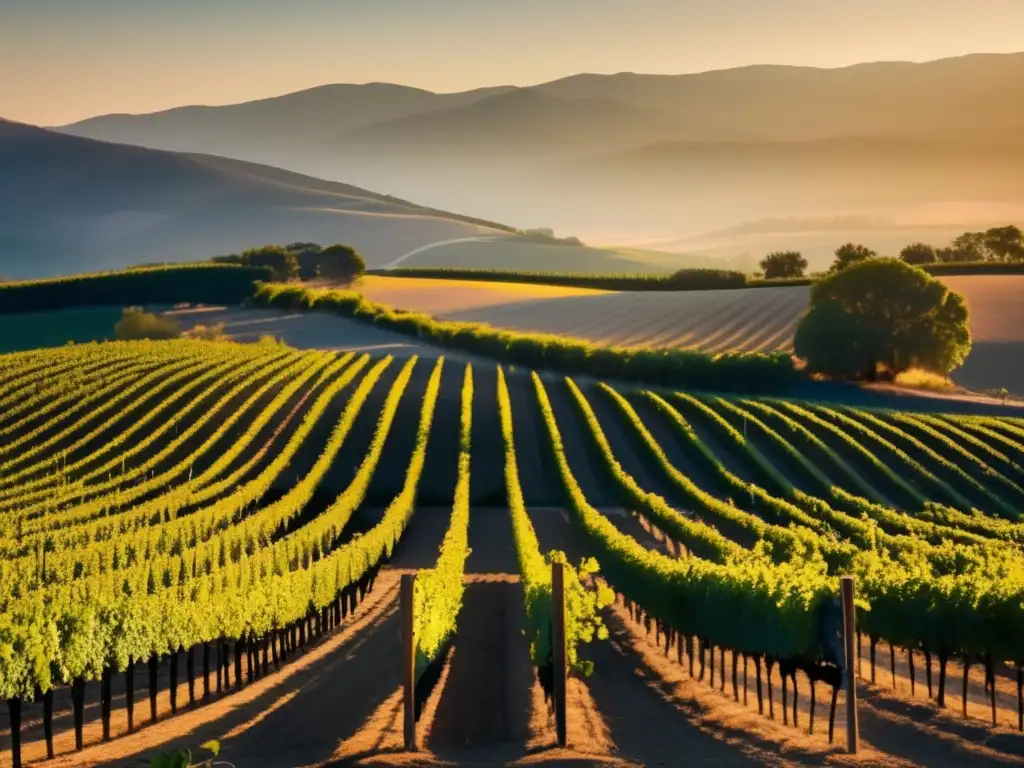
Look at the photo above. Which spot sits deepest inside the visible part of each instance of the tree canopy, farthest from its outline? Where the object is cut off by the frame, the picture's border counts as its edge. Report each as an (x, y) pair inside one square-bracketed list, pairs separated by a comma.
[(919, 253), (279, 260), (851, 253), (341, 262), (994, 244), (784, 264), (308, 257), (1005, 243), (882, 316)]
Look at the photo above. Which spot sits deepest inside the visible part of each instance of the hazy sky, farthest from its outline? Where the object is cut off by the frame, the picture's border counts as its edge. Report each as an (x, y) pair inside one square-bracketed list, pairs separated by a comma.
[(63, 60)]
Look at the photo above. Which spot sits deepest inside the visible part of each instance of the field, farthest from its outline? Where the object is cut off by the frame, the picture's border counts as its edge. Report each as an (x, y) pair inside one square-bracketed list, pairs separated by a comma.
[(753, 319), (519, 253), (219, 529)]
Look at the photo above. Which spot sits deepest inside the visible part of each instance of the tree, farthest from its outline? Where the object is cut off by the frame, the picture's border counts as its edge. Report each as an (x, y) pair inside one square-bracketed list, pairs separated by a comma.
[(1005, 243), (882, 315), (281, 262), (784, 264), (307, 255), (919, 253), (851, 253), (341, 263), (970, 246)]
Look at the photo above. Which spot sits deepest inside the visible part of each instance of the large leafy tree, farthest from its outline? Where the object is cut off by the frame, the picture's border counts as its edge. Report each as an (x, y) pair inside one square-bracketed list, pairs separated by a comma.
[(851, 253), (882, 315), (784, 264)]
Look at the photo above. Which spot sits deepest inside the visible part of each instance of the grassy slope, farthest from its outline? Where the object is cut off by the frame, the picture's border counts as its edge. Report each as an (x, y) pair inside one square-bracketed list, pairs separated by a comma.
[(53, 329)]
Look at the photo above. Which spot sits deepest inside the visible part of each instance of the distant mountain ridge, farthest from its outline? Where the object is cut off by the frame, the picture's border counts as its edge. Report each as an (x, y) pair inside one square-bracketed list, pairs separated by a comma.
[(635, 153), (806, 102), (69, 203)]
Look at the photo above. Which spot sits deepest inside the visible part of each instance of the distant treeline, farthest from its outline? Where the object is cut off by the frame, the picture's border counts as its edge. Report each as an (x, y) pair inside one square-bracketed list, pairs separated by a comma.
[(683, 280), (735, 372), (185, 283)]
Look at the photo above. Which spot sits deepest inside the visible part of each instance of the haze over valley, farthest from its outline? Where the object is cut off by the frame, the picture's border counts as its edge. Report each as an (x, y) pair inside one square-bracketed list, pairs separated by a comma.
[(705, 163)]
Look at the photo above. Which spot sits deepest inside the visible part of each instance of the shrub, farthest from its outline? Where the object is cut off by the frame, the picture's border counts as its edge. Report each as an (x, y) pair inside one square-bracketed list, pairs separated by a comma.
[(704, 279), (882, 315), (547, 236), (213, 332), (916, 378), (137, 324)]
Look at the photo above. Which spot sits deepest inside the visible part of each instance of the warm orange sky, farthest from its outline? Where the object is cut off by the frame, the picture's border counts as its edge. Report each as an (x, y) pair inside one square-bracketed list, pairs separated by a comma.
[(64, 60)]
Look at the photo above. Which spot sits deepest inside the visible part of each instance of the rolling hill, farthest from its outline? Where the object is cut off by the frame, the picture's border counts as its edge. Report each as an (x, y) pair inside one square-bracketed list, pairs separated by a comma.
[(671, 155), (777, 103), (72, 204)]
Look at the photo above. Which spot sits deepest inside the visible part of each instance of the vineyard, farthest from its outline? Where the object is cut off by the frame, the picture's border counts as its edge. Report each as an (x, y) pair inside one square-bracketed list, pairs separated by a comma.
[(187, 520), (761, 320)]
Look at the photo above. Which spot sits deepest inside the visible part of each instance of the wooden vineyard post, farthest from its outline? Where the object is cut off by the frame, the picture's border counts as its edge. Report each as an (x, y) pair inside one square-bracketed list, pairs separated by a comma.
[(558, 649), (850, 643), (409, 659)]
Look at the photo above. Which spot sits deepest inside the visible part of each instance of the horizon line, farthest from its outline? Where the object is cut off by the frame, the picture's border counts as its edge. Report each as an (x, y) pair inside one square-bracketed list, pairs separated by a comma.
[(308, 89)]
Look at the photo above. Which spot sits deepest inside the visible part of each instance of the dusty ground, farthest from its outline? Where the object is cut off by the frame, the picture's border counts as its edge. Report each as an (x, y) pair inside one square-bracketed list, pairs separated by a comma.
[(756, 319)]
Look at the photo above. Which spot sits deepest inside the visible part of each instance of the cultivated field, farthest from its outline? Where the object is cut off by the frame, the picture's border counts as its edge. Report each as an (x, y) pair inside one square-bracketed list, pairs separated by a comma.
[(520, 253), (753, 319), (219, 529)]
